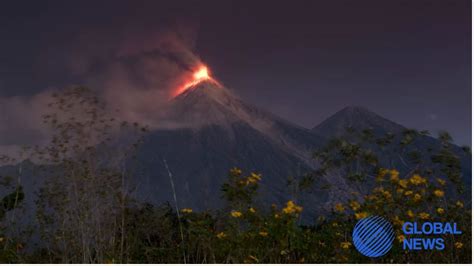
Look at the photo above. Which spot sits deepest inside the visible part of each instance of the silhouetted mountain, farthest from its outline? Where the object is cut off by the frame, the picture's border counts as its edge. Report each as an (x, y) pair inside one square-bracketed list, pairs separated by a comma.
[(356, 118), (215, 131), (351, 121)]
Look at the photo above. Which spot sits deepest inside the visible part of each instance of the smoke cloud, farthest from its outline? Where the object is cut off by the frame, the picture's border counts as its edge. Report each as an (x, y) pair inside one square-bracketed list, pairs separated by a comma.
[(134, 71)]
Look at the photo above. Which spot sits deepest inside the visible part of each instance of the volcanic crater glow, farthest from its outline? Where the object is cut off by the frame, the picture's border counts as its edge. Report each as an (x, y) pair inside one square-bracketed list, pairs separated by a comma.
[(200, 75)]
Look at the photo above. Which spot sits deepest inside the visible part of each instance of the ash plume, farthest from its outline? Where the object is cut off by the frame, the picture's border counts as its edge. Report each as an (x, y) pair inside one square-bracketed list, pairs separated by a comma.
[(133, 71)]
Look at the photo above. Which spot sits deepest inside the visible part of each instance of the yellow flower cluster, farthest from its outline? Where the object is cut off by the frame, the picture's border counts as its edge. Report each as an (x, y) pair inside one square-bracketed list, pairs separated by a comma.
[(417, 180), (254, 178), (339, 207), (186, 210), (394, 175), (440, 211), (385, 193), (458, 245), (346, 245), (291, 207), (417, 197), (263, 233), (438, 193), (235, 171), (361, 215), (424, 215), (403, 183), (397, 221), (381, 174), (221, 235), (354, 205), (236, 214)]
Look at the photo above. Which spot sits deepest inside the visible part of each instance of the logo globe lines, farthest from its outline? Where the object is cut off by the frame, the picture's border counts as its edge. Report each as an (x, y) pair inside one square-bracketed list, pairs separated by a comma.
[(373, 236)]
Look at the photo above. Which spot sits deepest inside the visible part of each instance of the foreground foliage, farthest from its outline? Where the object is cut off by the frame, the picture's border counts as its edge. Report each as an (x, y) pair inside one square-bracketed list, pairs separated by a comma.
[(85, 213)]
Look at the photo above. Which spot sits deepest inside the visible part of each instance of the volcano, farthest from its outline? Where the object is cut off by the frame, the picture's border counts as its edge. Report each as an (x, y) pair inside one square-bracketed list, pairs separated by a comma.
[(358, 118), (207, 130), (214, 130)]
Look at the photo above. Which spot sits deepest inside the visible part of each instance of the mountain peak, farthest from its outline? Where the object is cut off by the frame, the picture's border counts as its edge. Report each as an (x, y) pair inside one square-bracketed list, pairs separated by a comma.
[(207, 89), (355, 109), (358, 118)]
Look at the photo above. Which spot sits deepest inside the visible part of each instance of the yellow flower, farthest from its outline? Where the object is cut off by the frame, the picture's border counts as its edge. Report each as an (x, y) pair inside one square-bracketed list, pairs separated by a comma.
[(394, 175), (438, 193), (235, 214), (441, 181), (221, 235), (381, 174), (440, 211), (459, 204), (235, 171), (424, 215), (417, 197), (400, 238), (403, 183), (277, 216), (417, 180), (252, 210), (355, 205), (339, 207), (186, 210), (263, 233), (410, 214), (400, 190), (378, 190), (387, 194), (397, 220), (458, 245), (254, 178), (346, 245), (361, 215), (383, 171), (291, 207), (408, 193)]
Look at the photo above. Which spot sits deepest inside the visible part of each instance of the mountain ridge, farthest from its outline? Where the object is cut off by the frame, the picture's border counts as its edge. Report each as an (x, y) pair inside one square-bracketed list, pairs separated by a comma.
[(358, 118)]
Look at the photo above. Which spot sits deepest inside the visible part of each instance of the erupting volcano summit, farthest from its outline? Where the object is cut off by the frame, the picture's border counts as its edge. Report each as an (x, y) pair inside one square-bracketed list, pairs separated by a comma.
[(200, 75)]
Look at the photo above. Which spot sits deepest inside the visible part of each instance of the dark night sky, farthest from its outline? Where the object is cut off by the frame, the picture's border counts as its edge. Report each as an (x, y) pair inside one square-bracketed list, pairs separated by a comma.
[(409, 61)]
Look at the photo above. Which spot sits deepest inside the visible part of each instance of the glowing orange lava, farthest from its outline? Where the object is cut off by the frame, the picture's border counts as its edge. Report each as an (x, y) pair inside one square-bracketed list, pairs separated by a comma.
[(200, 75)]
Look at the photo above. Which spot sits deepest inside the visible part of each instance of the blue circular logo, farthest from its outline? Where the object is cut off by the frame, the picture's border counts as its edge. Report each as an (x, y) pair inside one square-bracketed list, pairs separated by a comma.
[(373, 236)]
